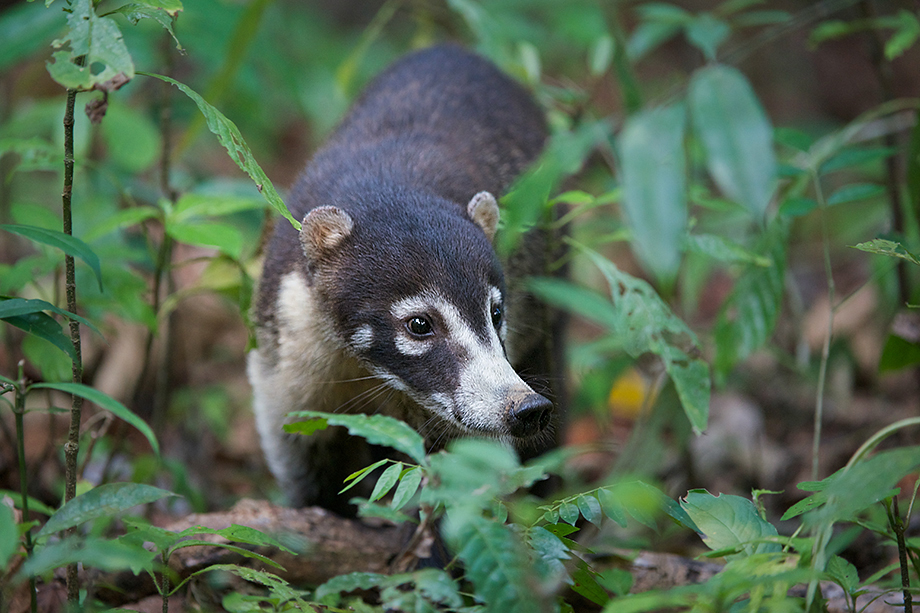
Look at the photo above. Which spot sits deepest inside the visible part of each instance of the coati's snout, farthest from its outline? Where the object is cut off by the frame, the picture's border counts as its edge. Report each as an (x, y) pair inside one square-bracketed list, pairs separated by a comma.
[(529, 415)]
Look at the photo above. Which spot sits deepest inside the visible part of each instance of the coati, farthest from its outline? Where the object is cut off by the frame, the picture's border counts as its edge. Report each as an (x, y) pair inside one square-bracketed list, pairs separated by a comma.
[(391, 299)]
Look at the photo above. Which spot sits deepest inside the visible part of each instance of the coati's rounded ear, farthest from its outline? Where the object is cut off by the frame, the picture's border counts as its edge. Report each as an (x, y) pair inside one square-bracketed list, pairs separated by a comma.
[(323, 229), (483, 209)]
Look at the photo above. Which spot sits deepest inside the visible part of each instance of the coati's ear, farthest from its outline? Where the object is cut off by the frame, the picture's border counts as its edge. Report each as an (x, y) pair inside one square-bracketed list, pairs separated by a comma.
[(484, 211), (323, 229)]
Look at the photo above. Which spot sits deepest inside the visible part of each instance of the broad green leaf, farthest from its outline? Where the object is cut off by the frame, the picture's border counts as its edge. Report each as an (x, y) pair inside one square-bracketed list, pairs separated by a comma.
[(849, 158), (727, 521), (107, 500), (843, 573), (651, 152), (706, 33), (797, 206), (854, 192), (495, 561), (17, 307), (736, 136), (551, 553), (212, 205), (43, 326), (691, 378), (378, 430), (906, 33), (68, 244), (881, 246), (122, 220), (229, 136), (724, 250), (35, 506), (225, 237), (132, 140), (109, 404), (107, 555), (749, 314), (387, 480), (9, 535), (348, 583), (164, 13), (898, 353), (98, 41), (407, 487), (590, 508), (568, 512)]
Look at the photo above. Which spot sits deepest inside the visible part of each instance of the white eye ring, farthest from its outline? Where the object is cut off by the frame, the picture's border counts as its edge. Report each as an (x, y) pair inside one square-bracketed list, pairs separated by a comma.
[(419, 326)]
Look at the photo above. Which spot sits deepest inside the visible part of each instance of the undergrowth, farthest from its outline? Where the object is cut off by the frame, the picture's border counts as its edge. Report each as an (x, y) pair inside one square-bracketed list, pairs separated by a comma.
[(690, 176)]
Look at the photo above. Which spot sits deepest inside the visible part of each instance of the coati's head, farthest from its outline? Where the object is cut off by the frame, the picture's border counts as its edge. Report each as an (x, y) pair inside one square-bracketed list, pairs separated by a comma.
[(417, 294)]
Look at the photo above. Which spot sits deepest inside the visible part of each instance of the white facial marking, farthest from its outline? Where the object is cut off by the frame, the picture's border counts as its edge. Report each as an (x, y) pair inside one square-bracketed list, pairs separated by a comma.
[(486, 376), (363, 337), (496, 296)]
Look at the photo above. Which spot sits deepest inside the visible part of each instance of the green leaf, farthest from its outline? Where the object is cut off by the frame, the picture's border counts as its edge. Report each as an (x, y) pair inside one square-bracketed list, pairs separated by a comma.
[(226, 238), (551, 553), (601, 55), (13, 307), (241, 551), (25, 28), (43, 326), (163, 12), (348, 583), (378, 430), (494, 559), (651, 153), (590, 508), (724, 250), (568, 512), (68, 244), (706, 33), (584, 582), (35, 506), (727, 521), (386, 481), (279, 587), (121, 220), (850, 158), (881, 246), (107, 500), (843, 573), (736, 136), (193, 205), (9, 535), (797, 206), (907, 31), (229, 136), (408, 485), (898, 353), (748, 316), (132, 140), (107, 555), (109, 404), (854, 192), (98, 41)]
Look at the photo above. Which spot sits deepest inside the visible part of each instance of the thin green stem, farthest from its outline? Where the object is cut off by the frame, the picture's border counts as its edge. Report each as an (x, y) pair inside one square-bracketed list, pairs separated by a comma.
[(825, 350), (19, 410)]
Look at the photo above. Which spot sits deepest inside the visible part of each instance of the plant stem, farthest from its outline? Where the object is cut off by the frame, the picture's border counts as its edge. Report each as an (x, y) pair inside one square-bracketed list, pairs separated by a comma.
[(19, 409), (72, 446), (894, 517), (825, 350)]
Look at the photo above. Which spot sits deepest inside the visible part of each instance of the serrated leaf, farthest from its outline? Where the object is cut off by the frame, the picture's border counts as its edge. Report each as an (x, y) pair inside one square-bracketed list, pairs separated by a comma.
[(495, 561), (407, 487), (387, 480), (651, 151), (377, 430), (107, 500), (736, 136), (109, 404), (229, 136), (68, 244), (727, 521), (98, 41)]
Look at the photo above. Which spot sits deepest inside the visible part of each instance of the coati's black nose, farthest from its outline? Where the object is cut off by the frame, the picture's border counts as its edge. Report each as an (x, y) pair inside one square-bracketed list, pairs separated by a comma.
[(529, 416)]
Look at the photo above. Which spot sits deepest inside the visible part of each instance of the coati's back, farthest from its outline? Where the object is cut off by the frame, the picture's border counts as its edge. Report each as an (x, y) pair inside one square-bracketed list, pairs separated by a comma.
[(391, 296)]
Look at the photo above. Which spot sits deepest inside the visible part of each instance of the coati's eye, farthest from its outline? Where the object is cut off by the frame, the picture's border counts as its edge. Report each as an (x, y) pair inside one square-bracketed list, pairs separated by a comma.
[(419, 326), (497, 316)]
